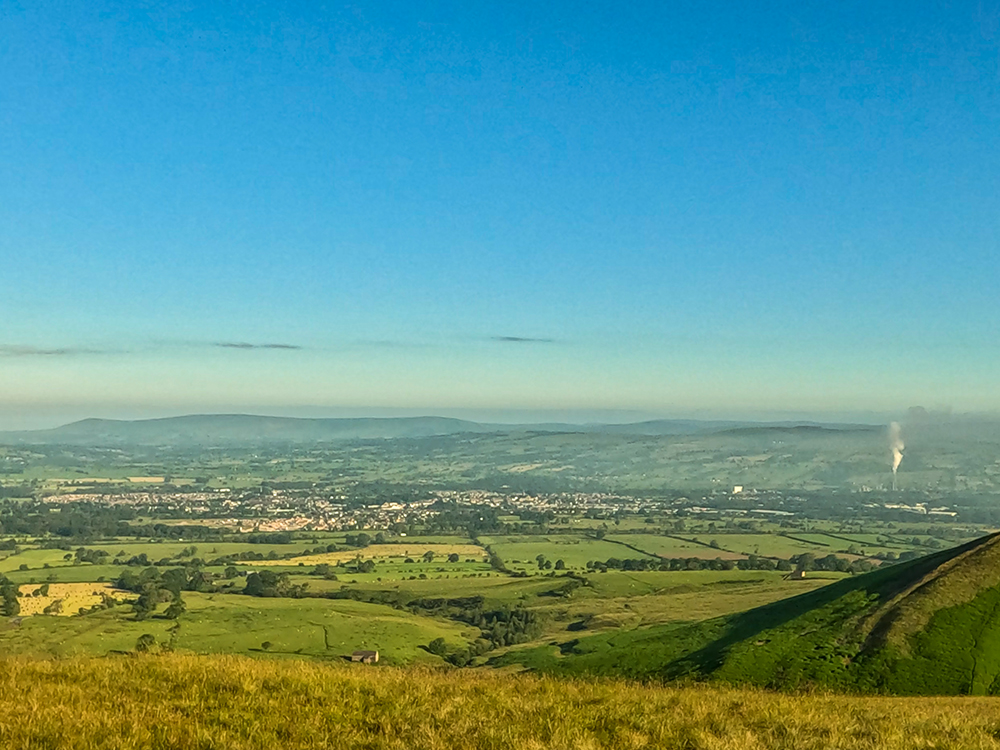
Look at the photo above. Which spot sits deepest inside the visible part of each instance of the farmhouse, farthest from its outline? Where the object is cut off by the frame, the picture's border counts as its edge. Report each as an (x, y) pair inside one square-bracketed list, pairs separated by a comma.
[(796, 575), (365, 657)]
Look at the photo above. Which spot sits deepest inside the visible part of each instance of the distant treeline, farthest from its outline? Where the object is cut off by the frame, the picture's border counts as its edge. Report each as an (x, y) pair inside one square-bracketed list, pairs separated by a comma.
[(805, 562), (16, 490)]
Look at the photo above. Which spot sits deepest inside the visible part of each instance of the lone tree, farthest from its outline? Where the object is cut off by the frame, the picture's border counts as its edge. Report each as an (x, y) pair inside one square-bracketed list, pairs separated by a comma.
[(145, 643), (429, 556), (453, 557), (176, 608), (437, 647)]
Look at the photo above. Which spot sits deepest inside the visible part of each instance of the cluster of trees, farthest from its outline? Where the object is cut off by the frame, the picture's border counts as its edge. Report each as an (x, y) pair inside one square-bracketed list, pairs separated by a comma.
[(250, 557), (325, 570), (460, 657), (271, 537), (890, 556), (497, 627), (93, 556), (362, 539), (362, 566), (267, 583), (154, 588), (545, 564), (16, 490), (77, 520), (809, 561), (452, 518), (9, 605)]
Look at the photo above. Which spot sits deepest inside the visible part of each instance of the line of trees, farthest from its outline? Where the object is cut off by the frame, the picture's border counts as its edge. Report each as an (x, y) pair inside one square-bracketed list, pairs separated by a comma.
[(807, 561)]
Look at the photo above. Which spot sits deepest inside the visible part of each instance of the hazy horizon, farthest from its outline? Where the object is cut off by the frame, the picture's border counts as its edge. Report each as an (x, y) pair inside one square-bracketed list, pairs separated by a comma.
[(656, 209), (12, 420)]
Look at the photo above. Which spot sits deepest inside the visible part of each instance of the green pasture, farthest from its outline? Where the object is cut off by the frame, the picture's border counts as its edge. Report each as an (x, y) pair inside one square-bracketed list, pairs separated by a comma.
[(767, 545), (620, 599), (232, 623), (521, 553), (67, 573), (665, 546), (496, 589), (36, 559), (392, 570)]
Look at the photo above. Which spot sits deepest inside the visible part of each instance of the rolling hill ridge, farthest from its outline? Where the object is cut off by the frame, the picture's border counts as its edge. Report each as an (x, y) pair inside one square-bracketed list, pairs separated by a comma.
[(200, 429), (930, 626)]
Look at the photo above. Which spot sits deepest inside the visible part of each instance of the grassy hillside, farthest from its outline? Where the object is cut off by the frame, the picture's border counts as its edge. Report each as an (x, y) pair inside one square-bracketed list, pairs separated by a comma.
[(184, 702), (931, 626), (220, 623)]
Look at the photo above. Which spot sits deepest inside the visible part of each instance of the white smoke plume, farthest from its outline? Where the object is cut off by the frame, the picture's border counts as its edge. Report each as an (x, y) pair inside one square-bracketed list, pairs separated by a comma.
[(897, 446)]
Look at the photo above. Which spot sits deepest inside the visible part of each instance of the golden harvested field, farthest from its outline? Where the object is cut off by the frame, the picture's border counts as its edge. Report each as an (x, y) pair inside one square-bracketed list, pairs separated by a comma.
[(188, 703), (72, 595), (415, 550)]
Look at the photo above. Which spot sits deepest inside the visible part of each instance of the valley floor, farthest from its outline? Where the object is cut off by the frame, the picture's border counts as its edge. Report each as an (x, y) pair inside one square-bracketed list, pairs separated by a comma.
[(236, 703)]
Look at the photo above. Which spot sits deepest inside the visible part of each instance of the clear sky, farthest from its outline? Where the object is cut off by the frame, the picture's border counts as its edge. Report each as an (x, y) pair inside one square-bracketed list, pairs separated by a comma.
[(671, 208)]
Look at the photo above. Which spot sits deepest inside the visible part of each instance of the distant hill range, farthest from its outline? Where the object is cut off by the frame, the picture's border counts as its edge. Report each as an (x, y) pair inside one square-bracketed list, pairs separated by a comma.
[(928, 626), (245, 428)]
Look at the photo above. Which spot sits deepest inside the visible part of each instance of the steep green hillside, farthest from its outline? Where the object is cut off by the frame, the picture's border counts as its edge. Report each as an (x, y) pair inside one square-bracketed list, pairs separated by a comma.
[(930, 626)]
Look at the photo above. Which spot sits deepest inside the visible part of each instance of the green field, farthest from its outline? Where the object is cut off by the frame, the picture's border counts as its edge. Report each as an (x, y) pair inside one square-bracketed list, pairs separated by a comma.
[(521, 553), (671, 547), (767, 545), (628, 600), (221, 623)]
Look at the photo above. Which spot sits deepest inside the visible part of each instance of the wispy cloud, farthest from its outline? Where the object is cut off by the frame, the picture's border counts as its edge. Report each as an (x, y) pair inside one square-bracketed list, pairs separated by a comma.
[(17, 350), (247, 345), (521, 340)]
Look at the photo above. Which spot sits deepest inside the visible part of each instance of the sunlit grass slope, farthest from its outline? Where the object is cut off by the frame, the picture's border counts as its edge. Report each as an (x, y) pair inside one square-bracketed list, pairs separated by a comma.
[(930, 626), (189, 702)]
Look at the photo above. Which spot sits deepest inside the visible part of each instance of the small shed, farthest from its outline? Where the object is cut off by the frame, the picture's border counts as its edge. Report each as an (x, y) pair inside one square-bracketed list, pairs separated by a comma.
[(365, 657)]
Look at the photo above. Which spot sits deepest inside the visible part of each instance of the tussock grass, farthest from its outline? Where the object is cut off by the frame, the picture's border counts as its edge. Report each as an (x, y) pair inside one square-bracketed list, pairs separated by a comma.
[(233, 703)]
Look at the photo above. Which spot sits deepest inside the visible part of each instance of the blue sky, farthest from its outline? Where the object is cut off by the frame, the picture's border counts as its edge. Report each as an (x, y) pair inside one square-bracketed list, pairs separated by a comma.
[(665, 208)]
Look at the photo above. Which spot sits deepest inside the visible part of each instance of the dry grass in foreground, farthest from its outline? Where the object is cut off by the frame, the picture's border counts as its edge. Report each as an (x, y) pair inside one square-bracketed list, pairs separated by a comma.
[(232, 703)]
